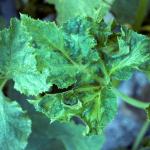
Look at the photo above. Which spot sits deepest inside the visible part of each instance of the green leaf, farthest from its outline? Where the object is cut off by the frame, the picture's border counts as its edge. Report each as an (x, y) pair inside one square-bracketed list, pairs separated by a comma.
[(18, 61), (95, 108), (15, 126), (67, 9), (61, 136), (79, 56), (71, 60), (42, 134), (133, 53)]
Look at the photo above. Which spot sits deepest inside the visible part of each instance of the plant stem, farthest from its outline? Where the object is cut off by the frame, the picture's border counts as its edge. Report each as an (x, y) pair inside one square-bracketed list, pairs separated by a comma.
[(131, 101), (140, 15), (141, 135)]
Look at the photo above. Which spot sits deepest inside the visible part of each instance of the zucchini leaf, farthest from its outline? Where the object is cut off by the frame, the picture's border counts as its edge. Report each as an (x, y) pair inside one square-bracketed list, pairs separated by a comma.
[(15, 126), (83, 54), (73, 61), (76, 56)]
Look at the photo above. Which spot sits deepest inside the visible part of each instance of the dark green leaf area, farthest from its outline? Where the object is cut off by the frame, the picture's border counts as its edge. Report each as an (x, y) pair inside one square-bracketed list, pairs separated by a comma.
[(77, 25), (60, 136)]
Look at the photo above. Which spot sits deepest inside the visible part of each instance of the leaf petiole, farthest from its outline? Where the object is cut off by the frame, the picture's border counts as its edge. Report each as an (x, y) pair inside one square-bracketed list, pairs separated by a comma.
[(131, 101)]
